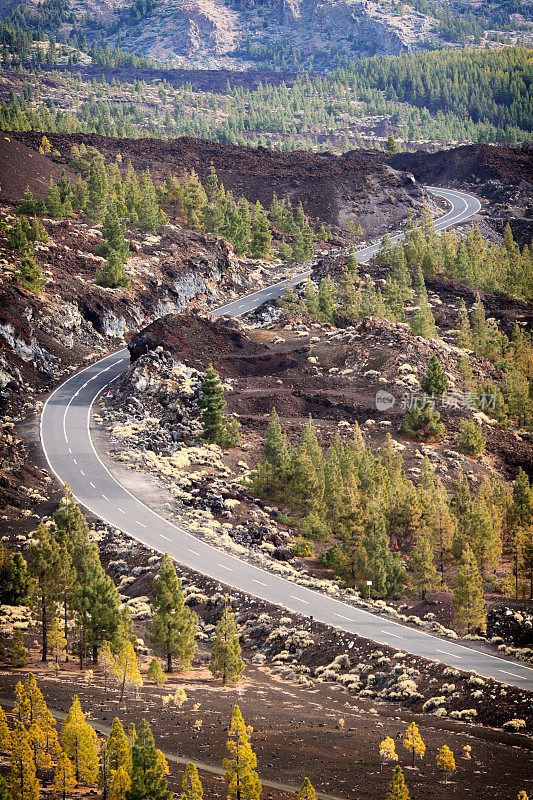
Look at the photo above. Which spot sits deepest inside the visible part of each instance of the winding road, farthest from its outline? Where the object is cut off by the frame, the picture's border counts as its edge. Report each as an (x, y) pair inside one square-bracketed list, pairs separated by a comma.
[(72, 457)]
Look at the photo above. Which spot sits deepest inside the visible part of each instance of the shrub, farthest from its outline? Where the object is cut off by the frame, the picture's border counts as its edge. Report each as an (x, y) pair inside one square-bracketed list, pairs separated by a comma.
[(433, 703), (423, 422), (302, 548), (470, 439), (514, 725)]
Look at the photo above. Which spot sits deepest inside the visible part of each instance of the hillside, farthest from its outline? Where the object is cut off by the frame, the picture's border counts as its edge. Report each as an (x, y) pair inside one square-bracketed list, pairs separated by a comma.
[(309, 34)]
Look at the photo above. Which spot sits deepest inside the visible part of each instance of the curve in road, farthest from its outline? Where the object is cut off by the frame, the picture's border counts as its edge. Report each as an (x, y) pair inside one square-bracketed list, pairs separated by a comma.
[(72, 457)]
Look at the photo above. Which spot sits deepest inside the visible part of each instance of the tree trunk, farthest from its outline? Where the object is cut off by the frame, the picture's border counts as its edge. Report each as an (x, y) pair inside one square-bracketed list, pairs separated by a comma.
[(122, 687), (413, 757), (169, 662), (95, 654), (65, 625), (44, 623), (516, 569)]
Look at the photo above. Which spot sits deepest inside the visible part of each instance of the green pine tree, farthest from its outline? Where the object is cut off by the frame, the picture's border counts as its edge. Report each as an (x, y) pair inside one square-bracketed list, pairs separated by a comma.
[(469, 605), (213, 403), (435, 381), (226, 661), (173, 627), (397, 788), (148, 781)]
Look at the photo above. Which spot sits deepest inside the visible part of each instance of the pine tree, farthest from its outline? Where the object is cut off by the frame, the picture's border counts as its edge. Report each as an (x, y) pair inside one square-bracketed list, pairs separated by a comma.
[(80, 744), (23, 777), (397, 788), (64, 776), (423, 323), (57, 643), (422, 567), (30, 274), (191, 786), (470, 438), (311, 299), (469, 606), (243, 781), (261, 244), (119, 785), (435, 381), (413, 742), (106, 659), (351, 264), (44, 567), (326, 301), (464, 331), (97, 188), (52, 201), (127, 669), (148, 211), (19, 655), (30, 706), (422, 422), (173, 627), (348, 301), (307, 791), (276, 449), (387, 751), (113, 275), (155, 672), (5, 793), (226, 661), (113, 233), (148, 781), (97, 605), (445, 761), (5, 735), (117, 748), (213, 403), (391, 145)]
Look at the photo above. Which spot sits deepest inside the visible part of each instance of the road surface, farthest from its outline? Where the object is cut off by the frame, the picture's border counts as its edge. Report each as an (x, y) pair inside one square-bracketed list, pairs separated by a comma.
[(72, 457)]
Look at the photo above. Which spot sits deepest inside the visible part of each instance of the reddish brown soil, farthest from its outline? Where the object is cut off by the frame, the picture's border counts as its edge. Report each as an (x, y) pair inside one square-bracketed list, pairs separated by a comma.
[(473, 162), (201, 80), (22, 167), (199, 342), (296, 733), (358, 182)]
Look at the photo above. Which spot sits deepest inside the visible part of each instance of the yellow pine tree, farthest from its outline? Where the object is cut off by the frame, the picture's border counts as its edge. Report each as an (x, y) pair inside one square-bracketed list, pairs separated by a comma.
[(243, 781), (120, 785), (445, 761), (5, 736), (161, 760), (191, 786), (30, 706), (64, 776), (387, 751), (23, 778), (80, 744), (127, 669), (57, 643), (413, 742), (118, 750), (307, 791), (106, 660)]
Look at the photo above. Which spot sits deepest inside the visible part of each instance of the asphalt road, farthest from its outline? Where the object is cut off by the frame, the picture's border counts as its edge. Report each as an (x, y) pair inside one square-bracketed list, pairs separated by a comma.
[(72, 457)]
